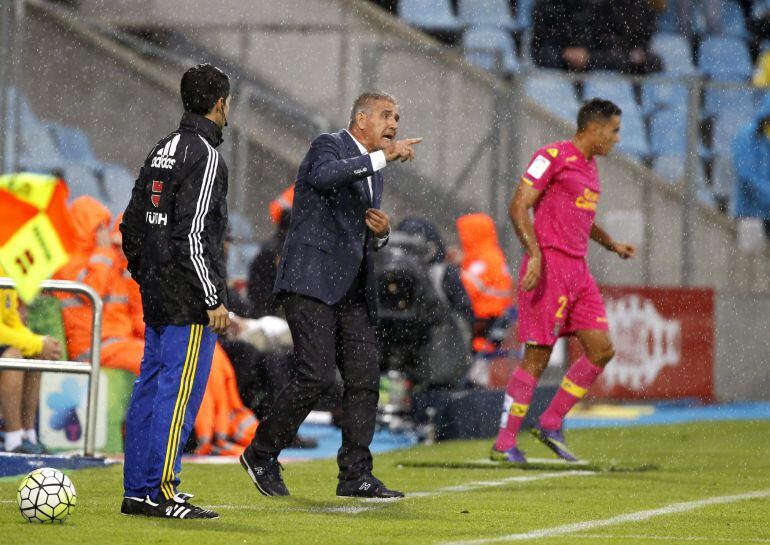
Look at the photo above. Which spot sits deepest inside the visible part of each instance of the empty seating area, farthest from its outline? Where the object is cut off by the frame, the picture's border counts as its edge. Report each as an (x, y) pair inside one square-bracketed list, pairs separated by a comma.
[(715, 49), (49, 147)]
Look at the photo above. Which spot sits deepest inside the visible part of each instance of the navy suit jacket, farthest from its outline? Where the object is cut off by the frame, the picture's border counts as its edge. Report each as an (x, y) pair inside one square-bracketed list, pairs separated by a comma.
[(328, 239)]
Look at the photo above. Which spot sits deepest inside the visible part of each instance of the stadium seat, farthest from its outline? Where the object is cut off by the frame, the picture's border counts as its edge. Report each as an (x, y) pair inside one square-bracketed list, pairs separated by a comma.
[(726, 125), (667, 19), (725, 58), (609, 86), (482, 45), (706, 197), (732, 21), (672, 169), (81, 181), (669, 167), (429, 15), (555, 93), (496, 13), (73, 144), (25, 110), (760, 8), (668, 132), (674, 50), (740, 101), (37, 146), (524, 9), (117, 182), (663, 95)]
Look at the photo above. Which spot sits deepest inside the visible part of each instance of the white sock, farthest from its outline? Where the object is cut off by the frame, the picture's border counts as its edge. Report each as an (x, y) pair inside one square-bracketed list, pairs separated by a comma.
[(31, 435), (13, 439)]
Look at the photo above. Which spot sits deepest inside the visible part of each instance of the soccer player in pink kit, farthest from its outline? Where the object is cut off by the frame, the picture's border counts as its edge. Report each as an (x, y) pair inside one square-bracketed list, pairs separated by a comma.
[(557, 294)]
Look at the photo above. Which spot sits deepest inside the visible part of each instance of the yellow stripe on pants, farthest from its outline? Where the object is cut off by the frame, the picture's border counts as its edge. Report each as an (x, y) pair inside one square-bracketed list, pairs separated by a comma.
[(180, 407)]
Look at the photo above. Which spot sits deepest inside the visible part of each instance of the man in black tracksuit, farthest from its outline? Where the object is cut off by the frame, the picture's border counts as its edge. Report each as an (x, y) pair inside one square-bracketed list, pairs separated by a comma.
[(173, 236)]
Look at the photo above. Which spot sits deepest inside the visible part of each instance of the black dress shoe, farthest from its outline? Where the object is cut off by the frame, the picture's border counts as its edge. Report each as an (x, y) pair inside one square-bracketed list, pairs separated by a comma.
[(366, 486), (266, 474)]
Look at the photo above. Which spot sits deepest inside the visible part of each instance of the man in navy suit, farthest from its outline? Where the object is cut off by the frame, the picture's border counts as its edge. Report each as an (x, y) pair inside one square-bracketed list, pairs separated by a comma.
[(326, 281)]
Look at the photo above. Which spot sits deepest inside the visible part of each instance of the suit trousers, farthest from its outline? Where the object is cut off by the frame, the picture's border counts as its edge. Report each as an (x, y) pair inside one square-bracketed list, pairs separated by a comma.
[(327, 338)]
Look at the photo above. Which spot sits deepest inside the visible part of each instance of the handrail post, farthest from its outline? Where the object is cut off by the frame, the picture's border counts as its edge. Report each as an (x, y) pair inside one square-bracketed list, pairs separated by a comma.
[(92, 369), (689, 189)]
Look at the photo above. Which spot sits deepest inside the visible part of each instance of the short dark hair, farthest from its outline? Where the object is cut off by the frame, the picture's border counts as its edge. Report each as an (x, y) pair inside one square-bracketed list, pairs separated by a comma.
[(364, 100), (201, 87), (594, 110)]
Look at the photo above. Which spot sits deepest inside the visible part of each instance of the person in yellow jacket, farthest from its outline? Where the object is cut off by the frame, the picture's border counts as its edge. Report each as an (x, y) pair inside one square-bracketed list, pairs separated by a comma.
[(20, 390)]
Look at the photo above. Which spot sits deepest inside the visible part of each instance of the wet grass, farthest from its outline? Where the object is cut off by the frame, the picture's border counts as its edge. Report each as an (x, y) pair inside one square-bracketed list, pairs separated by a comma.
[(455, 498)]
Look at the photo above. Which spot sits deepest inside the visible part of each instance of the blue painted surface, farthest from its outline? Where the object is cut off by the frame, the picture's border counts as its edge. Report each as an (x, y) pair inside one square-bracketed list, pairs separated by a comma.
[(677, 413), (329, 439), (19, 464)]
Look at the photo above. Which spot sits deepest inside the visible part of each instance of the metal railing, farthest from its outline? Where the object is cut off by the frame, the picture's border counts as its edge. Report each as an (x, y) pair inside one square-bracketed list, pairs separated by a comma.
[(91, 369)]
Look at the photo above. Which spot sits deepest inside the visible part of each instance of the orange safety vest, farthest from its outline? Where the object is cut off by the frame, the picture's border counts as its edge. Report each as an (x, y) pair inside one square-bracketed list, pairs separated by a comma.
[(90, 265), (485, 273), (283, 203)]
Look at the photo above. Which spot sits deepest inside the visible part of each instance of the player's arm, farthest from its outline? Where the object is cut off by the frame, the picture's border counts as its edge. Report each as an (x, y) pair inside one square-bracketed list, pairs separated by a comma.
[(518, 211), (624, 250)]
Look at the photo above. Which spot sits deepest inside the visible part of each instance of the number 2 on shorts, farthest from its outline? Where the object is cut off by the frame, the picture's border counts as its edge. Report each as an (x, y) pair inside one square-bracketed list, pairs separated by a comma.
[(562, 305)]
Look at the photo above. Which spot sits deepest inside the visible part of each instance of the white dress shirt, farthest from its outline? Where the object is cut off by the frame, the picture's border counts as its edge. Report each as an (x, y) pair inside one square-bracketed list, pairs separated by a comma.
[(378, 163)]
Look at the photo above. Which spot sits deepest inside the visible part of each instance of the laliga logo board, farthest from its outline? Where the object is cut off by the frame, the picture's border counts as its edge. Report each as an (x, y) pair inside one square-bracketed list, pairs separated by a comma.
[(664, 343), (645, 342)]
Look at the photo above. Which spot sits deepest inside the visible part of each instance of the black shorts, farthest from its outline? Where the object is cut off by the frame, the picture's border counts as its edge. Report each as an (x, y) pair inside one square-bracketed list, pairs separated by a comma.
[(3, 348)]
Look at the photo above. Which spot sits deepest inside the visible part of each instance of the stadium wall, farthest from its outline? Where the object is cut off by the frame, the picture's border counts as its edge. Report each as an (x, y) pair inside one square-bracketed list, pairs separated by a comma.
[(322, 53), (742, 369), (124, 102)]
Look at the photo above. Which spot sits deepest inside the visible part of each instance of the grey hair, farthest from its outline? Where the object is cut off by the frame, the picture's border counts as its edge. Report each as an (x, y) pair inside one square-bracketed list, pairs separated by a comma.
[(364, 101)]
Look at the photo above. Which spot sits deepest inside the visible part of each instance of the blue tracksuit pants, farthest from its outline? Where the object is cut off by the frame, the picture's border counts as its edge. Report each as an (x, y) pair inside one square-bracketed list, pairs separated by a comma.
[(164, 403)]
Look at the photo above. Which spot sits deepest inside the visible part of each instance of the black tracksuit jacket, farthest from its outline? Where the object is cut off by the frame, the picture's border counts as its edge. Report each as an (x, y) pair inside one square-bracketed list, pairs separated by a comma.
[(174, 226)]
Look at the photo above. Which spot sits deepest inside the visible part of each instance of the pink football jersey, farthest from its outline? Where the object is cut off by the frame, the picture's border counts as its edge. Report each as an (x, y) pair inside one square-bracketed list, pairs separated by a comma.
[(565, 211)]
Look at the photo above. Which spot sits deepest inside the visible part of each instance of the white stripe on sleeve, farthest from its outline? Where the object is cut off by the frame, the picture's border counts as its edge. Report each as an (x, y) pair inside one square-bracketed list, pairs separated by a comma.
[(194, 237)]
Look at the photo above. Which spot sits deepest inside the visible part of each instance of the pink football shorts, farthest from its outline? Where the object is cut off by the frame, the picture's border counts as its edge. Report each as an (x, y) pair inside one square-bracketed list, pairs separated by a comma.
[(565, 300)]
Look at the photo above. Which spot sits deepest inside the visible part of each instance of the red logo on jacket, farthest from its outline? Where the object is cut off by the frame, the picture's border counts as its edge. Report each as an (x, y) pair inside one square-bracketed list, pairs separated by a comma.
[(157, 189)]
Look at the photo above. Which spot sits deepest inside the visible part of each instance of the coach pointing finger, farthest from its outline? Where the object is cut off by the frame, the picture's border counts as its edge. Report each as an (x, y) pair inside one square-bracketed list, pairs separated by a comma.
[(326, 279)]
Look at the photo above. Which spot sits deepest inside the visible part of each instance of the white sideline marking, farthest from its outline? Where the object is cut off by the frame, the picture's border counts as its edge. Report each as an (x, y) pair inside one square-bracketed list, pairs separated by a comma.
[(671, 538), (485, 484), (638, 516), (352, 510)]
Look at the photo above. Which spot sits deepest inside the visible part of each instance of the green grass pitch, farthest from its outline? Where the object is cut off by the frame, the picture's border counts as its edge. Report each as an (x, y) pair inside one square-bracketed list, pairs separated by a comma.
[(646, 485)]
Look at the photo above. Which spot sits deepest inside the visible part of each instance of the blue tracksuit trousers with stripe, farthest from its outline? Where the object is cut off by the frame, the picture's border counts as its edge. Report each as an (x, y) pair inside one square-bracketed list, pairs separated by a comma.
[(164, 403)]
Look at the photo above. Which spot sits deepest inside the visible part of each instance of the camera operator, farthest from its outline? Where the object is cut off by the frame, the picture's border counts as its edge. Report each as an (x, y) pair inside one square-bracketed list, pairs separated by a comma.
[(424, 311)]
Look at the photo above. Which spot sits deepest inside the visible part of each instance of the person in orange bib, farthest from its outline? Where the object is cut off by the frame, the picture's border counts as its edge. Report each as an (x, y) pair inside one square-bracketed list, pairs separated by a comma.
[(485, 274)]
